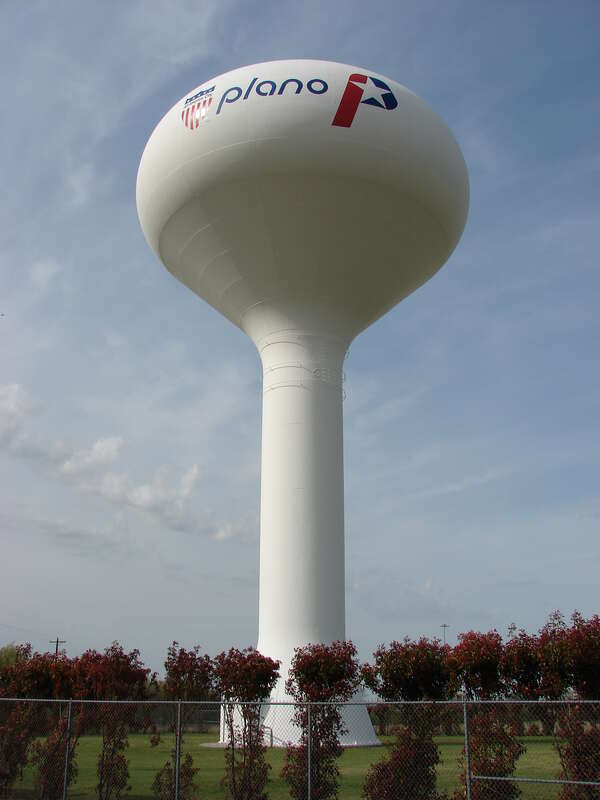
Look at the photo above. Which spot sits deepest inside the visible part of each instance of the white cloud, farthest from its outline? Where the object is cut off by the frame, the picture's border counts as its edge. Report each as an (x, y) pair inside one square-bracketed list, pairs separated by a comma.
[(103, 451), (165, 502), (168, 504)]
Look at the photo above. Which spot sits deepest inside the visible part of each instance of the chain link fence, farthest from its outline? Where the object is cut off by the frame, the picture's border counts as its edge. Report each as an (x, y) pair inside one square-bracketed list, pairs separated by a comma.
[(497, 750)]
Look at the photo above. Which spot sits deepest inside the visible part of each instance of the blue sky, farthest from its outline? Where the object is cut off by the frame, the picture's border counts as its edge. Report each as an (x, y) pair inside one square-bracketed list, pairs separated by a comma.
[(130, 411)]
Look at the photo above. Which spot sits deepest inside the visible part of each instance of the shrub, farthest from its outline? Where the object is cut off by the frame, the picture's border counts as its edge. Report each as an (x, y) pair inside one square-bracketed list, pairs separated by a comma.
[(18, 729), (381, 717), (579, 751), (408, 774), (163, 785), (494, 751), (49, 756)]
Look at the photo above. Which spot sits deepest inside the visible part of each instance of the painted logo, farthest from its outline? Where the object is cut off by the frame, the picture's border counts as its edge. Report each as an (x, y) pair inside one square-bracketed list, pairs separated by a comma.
[(352, 98), (196, 108), (268, 88)]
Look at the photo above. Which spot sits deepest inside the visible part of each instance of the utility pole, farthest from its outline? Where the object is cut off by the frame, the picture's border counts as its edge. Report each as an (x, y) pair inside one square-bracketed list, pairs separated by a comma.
[(444, 626), (56, 642)]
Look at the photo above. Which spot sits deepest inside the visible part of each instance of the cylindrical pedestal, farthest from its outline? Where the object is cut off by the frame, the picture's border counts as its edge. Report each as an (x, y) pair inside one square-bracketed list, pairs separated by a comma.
[(302, 590), (302, 494)]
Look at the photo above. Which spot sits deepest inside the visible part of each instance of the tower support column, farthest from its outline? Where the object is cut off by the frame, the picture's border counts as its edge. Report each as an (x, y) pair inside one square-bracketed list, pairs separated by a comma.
[(301, 597)]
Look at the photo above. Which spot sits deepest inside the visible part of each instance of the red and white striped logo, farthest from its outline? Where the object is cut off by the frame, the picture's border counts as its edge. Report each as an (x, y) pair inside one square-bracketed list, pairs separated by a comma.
[(196, 108)]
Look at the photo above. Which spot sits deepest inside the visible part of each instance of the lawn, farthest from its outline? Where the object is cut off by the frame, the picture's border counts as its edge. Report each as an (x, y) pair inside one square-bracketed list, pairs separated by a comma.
[(539, 761)]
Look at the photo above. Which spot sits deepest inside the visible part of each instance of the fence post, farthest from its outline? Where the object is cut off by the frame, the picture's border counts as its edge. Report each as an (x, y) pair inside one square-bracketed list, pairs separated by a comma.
[(177, 749), (467, 750), (308, 742), (67, 752)]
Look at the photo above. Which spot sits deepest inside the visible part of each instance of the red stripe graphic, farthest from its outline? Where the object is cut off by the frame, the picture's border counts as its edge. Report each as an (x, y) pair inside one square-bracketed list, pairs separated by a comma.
[(350, 101)]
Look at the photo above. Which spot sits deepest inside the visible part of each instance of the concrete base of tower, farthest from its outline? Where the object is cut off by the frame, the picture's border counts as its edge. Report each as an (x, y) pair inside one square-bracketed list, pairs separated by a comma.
[(280, 728)]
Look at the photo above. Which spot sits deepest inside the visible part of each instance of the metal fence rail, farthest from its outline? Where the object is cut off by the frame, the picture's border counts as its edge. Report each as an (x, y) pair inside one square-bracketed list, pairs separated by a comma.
[(460, 750)]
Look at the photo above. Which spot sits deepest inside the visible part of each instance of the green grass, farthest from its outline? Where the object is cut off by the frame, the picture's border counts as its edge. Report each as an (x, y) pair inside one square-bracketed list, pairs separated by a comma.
[(539, 761)]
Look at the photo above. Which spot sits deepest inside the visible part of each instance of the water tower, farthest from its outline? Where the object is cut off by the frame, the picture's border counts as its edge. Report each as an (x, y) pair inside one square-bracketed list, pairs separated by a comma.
[(302, 200)]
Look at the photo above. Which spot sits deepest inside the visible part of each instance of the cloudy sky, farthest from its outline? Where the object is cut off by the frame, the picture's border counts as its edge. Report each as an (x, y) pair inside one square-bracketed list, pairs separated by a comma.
[(130, 410)]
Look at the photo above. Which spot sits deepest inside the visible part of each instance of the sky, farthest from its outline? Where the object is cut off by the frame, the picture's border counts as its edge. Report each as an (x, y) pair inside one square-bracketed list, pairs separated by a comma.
[(130, 410)]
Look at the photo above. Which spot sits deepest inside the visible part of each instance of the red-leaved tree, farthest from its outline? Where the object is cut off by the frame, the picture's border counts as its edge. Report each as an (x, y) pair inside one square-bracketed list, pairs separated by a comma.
[(554, 656), (577, 737), (111, 675), (521, 667), (244, 679), (409, 670), (35, 732), (555, 665), (494, 748), (189, 676), (322, 675)]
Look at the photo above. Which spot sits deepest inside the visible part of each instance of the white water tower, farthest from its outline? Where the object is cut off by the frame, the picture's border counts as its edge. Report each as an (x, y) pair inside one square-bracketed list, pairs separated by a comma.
[(302, 200)]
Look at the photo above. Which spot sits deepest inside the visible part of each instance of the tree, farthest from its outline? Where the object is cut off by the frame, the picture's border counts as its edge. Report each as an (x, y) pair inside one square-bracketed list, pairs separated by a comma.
[(17, 731), (583, 641), (34, 732), (521, 666), (8, 655), (49, 756), (36, 675), (244, 679), (578, 731), (320, 675), (555, 662), (494, 748), (412, 671), (111, 675), (478, 657), (189, 676)]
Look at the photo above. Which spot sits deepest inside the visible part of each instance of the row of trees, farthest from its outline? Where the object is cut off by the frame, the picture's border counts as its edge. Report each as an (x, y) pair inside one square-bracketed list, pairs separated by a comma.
[(547, 665), (561, 659)]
